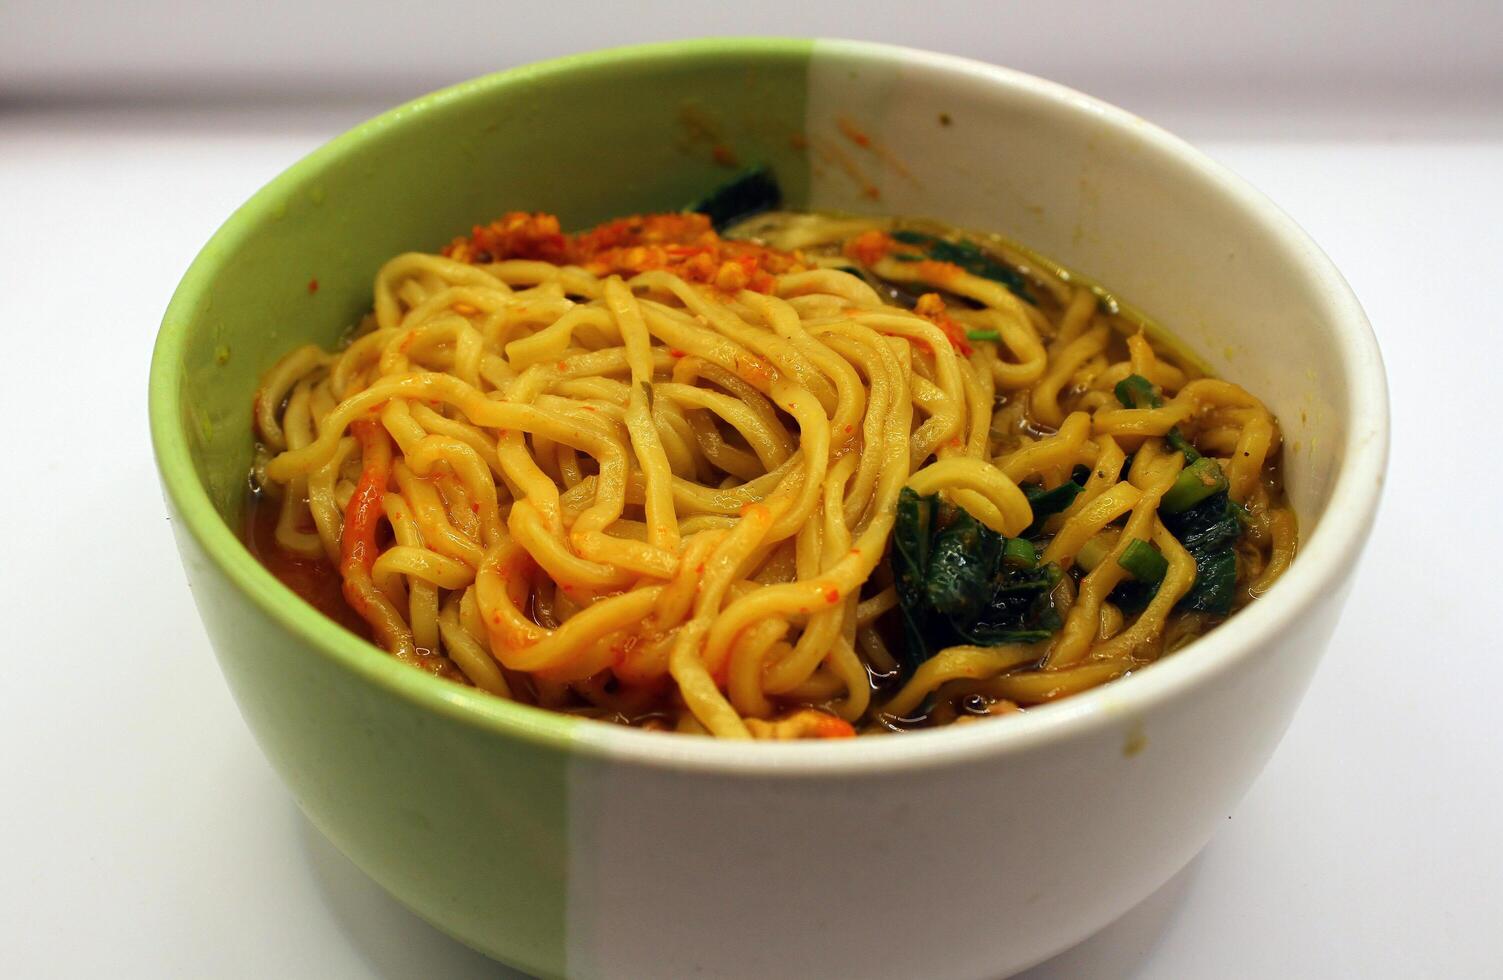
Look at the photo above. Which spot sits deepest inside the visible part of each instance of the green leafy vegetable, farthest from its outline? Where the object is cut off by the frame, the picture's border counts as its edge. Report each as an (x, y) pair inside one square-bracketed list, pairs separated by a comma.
[(909, 559), (963, 558), (1047, 503), (1143, 562), (1209, 525), (750, 192), (990, 335), (1215, 583), (958, 581), (970, 257), (1021, 609), (1136, 391), (1209, 531)]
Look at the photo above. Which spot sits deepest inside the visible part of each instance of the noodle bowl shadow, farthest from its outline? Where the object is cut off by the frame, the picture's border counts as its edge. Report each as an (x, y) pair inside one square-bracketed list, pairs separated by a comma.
[(568, 847)]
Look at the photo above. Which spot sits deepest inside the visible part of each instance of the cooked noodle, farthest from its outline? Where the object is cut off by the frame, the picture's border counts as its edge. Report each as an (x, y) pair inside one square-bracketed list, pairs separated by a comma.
[(651, 475)]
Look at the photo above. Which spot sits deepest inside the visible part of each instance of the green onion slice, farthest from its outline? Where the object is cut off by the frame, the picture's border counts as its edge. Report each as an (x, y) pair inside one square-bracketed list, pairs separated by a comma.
[(1143, 562)]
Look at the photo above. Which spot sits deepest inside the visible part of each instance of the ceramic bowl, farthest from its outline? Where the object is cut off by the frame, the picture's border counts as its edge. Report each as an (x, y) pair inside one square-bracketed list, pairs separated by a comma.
[(568, 847)]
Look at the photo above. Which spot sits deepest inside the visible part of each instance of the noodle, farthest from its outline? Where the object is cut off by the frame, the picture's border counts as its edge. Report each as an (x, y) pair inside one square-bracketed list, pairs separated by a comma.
[(654, 475)]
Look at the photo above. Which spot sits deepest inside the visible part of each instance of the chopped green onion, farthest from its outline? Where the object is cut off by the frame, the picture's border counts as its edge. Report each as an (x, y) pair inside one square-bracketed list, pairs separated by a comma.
[(991, 335), (1136, 391), (1195, 483), (1020, 552), (1143, 561)]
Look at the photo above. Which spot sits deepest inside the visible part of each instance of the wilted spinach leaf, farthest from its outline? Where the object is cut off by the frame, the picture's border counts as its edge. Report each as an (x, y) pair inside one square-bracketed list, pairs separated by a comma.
[(1209, 532), (750, 192), (955, 585), (964, 558), (970, 257)]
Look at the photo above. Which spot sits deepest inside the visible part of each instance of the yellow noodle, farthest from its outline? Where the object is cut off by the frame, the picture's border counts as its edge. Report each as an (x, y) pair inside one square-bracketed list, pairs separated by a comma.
[(641, 496)]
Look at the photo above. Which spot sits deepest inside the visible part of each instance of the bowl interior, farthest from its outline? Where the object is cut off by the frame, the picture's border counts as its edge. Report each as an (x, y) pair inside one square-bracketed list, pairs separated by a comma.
[(846, 126)]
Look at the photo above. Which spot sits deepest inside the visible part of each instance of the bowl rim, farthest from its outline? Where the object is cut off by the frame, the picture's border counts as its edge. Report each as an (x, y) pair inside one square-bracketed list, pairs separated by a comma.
[(1325, 558)]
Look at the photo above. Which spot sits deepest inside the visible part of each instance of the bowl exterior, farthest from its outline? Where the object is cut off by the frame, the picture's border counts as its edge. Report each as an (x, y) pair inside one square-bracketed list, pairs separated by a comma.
[(467, 828), (586, 864), (570, 848), (968, 870)]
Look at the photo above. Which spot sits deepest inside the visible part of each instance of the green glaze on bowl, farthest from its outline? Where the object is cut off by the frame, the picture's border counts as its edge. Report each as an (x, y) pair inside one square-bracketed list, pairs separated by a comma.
[(295, 264)]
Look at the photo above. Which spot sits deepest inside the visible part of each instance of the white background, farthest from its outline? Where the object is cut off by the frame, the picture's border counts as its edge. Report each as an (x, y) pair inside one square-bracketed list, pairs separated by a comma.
[(141, 832)]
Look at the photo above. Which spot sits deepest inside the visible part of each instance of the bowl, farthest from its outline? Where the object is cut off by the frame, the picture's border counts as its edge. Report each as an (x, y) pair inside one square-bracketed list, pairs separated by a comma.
[(571, 847)]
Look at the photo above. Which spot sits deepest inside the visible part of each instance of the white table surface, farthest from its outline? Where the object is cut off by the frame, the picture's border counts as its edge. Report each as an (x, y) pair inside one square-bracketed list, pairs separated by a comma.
[(142, 833)]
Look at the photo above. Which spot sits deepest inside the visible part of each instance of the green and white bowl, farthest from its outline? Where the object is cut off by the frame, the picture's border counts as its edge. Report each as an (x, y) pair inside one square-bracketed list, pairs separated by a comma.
[(569, 847)]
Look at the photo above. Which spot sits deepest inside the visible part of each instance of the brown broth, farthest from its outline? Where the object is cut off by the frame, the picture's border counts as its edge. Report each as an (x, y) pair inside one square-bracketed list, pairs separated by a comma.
[(316, 580)]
